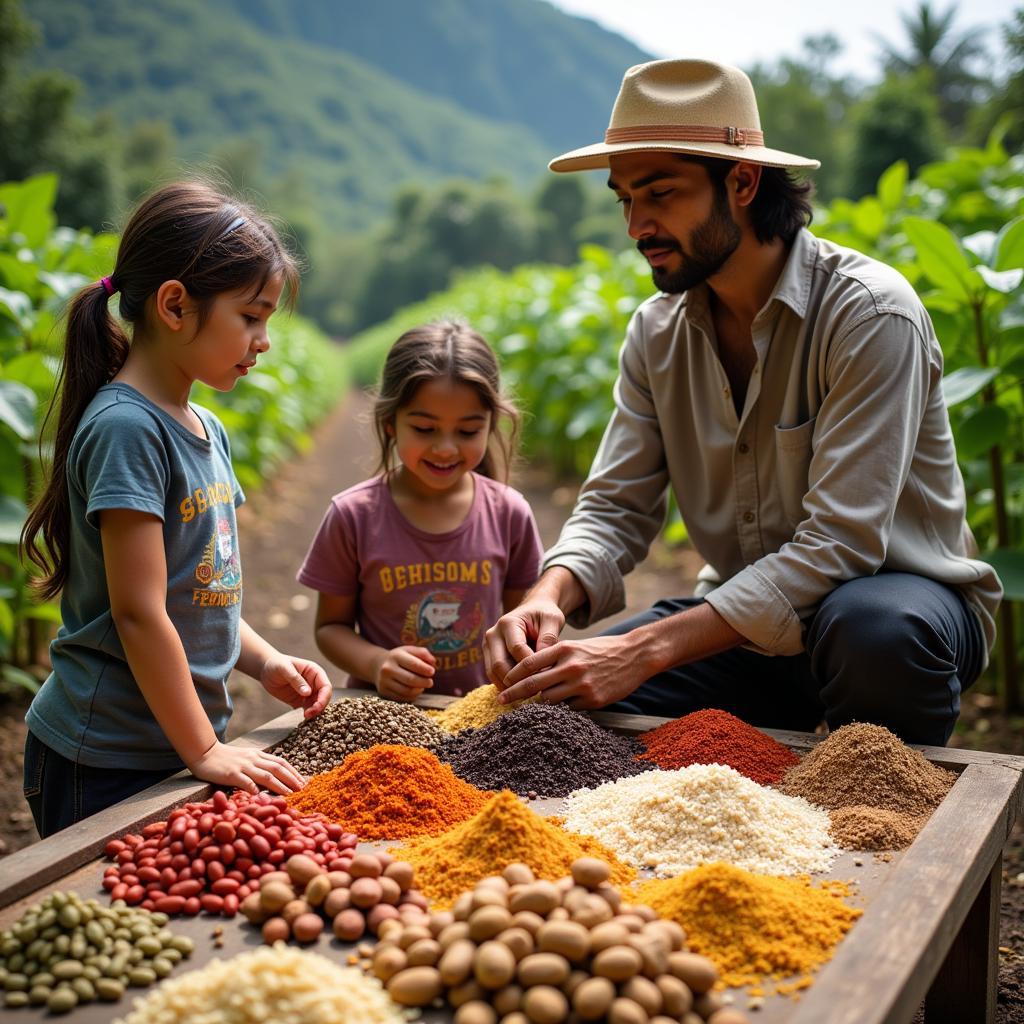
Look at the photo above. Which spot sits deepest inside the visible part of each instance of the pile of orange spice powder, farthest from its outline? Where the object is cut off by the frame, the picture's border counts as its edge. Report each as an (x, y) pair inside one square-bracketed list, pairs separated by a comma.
[(391, 792), (506, 831)]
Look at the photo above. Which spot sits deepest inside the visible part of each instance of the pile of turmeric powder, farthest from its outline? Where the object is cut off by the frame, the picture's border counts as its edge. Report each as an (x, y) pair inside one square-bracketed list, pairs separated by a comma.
[(390, 792), (506, 831), (478, 708), (754, 926)]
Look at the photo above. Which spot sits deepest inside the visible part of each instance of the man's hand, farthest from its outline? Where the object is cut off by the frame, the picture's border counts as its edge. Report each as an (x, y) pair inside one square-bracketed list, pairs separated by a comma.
[(403, 673), (296, 682), (589, 673), (533, 625)]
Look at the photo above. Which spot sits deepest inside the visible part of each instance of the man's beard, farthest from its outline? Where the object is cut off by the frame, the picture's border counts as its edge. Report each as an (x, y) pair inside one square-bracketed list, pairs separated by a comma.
[(711, 245)]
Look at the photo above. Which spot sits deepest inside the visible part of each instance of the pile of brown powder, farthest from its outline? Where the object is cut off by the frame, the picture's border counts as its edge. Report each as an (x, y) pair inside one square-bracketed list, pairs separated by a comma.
[(884, 790)]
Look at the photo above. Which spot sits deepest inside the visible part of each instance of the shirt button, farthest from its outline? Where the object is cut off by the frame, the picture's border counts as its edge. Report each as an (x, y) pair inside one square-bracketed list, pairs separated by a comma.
[(743, 448), (748, 517)]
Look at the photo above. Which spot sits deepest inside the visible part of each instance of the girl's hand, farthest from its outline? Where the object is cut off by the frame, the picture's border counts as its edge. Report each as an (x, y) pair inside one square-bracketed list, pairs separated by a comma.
[(404, 672), (247, 768), (296, 682)]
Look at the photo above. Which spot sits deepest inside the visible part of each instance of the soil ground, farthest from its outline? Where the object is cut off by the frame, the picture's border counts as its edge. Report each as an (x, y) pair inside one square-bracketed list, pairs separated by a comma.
[(275, 528)]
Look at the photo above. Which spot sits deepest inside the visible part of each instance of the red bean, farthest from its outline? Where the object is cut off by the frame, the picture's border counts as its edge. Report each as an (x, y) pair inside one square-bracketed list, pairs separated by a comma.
[(149, 874), (156, 828), (211, 854), (168, 877), (210, 903), (241, 847), (119, 891), (224, 832), (223, 886), (246, 831), (245, 890), (133, 840), (293, 847), (125, 856), (255, 872), (230, 905), (154, 892), (206, 823), (215, 870), (179, 861), (134, 895), (220, 801), (260, 847), (110, 882), (178, 828), (243, 864), (190, 887), (147, 904), (191, 838), (184, 874), (276, 856), (170, 904), (192, 906), (238, 876)]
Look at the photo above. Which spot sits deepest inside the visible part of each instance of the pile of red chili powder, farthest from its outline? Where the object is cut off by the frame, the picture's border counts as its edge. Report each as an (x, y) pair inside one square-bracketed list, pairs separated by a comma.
[(712, 736)]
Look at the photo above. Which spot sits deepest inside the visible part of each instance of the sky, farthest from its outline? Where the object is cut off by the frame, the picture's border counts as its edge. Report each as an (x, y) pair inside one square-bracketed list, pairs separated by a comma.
[(746, 32)]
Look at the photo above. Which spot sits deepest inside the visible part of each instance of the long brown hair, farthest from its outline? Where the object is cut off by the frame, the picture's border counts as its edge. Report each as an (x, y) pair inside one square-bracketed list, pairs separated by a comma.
[(187, 231), (446, 350)]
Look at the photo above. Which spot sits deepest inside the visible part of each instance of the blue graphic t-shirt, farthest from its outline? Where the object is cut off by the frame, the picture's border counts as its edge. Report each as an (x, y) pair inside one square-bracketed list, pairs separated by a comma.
[(129, 454)]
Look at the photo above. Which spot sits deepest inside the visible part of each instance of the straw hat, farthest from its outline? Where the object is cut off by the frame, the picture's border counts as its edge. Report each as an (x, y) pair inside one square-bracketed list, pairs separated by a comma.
[(683, 106)]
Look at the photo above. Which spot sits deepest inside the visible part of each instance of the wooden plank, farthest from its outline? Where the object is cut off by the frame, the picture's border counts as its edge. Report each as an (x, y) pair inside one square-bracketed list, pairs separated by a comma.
[(965, 987), (884, 968)]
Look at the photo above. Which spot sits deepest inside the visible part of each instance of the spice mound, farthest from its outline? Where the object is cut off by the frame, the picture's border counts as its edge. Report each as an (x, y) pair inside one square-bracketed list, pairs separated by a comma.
[(280, 984), (351, 724), (712, 736), (390, 792), (504, 832), (544, 748), (478, 708), (867, 766), (673, 821), (754, 926)]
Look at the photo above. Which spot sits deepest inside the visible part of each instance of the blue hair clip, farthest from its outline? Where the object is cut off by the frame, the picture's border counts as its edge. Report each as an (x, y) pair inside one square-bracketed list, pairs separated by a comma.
[(234, 225)]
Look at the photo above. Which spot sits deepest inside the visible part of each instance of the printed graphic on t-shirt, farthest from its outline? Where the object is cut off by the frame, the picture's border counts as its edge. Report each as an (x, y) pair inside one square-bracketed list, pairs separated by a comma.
[(446, 623), (220, 571)]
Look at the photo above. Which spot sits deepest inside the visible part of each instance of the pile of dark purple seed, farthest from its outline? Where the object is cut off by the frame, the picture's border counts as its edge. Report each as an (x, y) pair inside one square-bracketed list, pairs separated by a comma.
[(543, 749)]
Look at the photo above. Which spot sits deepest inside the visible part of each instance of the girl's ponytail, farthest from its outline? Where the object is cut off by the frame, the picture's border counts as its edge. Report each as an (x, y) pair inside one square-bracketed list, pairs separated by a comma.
[(94, 350)]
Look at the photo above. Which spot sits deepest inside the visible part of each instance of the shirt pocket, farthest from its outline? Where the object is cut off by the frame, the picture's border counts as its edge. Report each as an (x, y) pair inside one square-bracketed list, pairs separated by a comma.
[(793, 450)]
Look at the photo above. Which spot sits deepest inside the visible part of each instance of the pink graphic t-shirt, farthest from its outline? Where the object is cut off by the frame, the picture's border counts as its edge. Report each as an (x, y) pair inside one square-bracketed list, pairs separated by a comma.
[(435, 590)]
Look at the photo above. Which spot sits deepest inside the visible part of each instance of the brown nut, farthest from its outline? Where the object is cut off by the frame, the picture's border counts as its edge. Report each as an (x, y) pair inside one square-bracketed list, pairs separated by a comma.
[(318, 888), (307, 927), (494, 966), (400, 871), (545, 1005), (698, 972), (592, 999), (301, 869), (415, 986), (365, 865), (590, 872), (276, 929)]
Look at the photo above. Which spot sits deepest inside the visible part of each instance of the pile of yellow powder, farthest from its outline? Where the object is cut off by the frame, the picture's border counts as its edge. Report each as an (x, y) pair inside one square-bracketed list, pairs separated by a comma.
[(478, 708), (754, 926), (504, 832)]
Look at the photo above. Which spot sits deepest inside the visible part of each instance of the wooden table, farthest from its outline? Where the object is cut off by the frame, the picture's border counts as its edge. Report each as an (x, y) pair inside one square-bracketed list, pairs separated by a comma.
[(929, 932)]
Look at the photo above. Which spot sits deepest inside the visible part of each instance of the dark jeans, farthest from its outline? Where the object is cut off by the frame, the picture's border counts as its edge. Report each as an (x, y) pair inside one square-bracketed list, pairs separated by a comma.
[(60, 792), (893, 649)]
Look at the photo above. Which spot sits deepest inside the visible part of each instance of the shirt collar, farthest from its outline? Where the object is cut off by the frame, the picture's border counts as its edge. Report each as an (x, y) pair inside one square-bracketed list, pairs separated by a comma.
[(792, 288)]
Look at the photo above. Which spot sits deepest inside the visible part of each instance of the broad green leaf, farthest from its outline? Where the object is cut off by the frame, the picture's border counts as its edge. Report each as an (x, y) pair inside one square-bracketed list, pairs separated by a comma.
[(18, 408), (19, 678), (1010, 246), (982, 430), (869, 217), (892, 186), (28, 207), (12, 519), (34, 370), (961, 384), (1004, 281), (941, 257), (17, 305), (1009, 564)]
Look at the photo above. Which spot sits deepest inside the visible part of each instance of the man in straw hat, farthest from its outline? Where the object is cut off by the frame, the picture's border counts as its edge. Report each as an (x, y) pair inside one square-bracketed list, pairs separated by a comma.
[(788, 390)]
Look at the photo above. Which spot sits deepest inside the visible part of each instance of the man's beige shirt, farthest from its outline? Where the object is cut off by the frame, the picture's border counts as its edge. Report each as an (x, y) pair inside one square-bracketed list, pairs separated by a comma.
[(841, 465)]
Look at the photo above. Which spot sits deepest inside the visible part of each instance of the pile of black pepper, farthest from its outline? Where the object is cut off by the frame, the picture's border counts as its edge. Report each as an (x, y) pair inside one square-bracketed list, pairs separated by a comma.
[(541, 749), (349, 724)]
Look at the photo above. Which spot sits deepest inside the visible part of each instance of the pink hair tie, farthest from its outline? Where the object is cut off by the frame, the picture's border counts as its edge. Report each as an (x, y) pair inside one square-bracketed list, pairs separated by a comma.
[(108, 285)]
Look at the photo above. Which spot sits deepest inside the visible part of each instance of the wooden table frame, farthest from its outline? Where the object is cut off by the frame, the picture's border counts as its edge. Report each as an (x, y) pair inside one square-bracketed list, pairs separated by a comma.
[(930, 934)]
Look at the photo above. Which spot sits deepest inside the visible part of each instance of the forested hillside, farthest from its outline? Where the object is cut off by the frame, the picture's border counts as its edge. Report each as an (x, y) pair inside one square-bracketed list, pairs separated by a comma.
[(348, 107)]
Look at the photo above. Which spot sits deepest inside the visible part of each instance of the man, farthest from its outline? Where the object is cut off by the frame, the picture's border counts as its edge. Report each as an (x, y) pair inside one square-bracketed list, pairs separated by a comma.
[(789, 392)]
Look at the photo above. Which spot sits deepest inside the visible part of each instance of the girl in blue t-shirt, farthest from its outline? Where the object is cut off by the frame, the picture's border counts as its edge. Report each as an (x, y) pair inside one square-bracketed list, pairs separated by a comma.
[(136, 527)]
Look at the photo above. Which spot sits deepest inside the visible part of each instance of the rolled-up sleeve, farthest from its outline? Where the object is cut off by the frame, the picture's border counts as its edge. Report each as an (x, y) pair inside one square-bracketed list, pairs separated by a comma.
[(880, 376), (621, 506)]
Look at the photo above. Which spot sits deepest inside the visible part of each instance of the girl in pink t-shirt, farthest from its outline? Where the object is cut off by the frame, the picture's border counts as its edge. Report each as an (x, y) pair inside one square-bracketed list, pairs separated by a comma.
[(414, 564)]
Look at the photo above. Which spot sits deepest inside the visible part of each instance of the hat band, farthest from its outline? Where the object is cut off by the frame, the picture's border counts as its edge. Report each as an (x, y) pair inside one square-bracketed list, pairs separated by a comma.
[(685, 133)]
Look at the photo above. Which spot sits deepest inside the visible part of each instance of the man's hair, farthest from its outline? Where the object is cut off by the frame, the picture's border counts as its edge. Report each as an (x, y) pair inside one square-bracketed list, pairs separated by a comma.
[(782, 205)]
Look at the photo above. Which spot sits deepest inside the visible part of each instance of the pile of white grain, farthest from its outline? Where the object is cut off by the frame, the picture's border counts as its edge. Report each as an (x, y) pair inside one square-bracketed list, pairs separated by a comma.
[(672, 821), (275, 985)]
